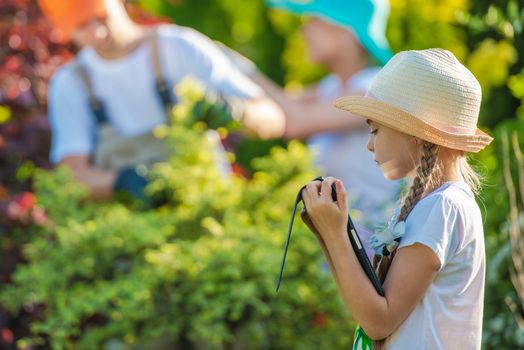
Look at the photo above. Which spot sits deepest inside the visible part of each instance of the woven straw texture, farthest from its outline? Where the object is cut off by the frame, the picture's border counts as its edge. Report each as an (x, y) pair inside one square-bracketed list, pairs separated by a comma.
[(428, 94)]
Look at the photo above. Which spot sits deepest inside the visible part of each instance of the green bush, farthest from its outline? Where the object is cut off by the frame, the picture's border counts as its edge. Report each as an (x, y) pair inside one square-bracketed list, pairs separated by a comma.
[(501, 330), (197, 273)]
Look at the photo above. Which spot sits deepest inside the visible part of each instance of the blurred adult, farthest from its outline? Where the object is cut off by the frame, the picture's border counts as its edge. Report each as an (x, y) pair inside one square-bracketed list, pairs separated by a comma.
[(347, 37), (104, 105)]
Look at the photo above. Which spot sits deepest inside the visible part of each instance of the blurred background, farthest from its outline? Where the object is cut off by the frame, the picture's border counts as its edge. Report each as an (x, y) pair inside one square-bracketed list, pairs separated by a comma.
[(87, 276)]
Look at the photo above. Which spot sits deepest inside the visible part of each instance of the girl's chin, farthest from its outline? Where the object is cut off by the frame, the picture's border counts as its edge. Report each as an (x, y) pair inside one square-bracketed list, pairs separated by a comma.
[(393, 175), (392, 171)]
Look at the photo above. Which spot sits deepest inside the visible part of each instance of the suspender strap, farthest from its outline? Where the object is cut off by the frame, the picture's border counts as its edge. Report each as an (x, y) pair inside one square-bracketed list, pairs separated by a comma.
[(96, 105), (161, 85)]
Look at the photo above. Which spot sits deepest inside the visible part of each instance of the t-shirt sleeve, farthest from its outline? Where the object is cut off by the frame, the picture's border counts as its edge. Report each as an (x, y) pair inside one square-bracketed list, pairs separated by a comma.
[(70, 119), (433, 223), (203, 59)]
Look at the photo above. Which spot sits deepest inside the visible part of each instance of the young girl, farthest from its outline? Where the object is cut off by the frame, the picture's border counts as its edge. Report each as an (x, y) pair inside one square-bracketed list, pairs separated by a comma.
[(422, 109)]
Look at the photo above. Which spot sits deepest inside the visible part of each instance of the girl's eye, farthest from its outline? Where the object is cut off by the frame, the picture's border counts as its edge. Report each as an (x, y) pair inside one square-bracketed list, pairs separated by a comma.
[(373, 131)]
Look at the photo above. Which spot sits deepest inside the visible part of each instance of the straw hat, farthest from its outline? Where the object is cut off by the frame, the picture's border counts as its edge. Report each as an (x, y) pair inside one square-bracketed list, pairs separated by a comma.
[(428, 94), (67, 15)]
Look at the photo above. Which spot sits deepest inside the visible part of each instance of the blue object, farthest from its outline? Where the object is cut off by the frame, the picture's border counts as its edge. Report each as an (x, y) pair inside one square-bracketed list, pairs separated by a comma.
[(366, 18), (129, 183)]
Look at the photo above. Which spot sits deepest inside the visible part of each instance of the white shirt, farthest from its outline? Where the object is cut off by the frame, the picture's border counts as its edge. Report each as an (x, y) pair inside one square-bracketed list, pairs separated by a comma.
[(449, 316), (344, 155), (126, 87)]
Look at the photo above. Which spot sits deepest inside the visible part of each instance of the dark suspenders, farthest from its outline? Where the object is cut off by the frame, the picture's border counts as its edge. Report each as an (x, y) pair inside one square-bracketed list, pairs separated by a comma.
[(96, 106), (161, 87)]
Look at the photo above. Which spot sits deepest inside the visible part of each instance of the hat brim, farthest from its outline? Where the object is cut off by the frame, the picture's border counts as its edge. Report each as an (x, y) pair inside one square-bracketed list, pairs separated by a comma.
[(404, 122)]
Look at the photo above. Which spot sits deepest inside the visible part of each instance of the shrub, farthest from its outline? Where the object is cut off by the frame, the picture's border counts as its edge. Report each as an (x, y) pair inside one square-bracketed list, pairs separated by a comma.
[(198, 272)]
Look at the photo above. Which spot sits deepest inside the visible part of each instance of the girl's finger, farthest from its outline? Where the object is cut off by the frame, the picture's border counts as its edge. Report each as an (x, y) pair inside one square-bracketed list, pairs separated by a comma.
[(310, 193), (341, 196), (305, 198), (313, 189), (316, 185), (326, 189)]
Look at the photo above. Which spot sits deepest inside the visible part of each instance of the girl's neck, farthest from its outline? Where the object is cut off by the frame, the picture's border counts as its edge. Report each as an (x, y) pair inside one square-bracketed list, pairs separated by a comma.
[(447, 170), (449, 165), (345, 67)]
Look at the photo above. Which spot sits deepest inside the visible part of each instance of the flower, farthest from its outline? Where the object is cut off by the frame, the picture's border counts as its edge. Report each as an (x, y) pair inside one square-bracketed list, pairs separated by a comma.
[(386, 239)]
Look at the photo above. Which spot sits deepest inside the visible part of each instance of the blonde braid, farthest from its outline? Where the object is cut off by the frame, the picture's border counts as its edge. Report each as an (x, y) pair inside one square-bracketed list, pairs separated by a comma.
[(420, 183), (425, 176)]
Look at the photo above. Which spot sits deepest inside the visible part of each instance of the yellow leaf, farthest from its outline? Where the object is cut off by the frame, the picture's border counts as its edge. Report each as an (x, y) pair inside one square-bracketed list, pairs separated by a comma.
[(5, 114)]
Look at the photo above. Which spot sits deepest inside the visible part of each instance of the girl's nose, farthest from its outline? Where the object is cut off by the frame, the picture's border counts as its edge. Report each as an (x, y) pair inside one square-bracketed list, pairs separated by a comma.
[(370, 144)]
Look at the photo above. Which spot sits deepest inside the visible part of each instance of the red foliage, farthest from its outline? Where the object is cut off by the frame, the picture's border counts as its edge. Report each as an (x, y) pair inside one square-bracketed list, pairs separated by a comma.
[(240, 171), (7, 336), (320, 320), (31, 56), (27, 63)]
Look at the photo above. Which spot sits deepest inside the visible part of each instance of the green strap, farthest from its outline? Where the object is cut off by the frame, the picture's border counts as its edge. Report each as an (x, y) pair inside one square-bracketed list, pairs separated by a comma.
[(361, 340)]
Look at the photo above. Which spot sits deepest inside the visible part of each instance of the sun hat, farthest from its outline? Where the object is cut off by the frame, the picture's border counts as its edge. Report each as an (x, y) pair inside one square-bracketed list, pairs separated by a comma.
[(67, 15), (428, 94), (367, 19)]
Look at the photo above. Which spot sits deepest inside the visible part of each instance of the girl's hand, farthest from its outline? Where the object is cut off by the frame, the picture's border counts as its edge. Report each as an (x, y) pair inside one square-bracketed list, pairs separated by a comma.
[(328, 217), (309, 223)]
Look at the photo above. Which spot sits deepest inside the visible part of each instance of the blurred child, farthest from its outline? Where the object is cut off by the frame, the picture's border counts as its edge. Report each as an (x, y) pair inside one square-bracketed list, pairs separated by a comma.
[(104, 105), (422, 109), (348, 38)]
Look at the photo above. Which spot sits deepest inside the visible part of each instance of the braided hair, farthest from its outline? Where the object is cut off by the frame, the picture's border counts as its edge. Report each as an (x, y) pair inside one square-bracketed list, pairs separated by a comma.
[(427, 178)]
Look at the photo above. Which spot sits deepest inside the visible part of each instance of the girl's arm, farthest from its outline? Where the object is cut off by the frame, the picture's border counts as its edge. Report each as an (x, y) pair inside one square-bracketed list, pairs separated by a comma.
[(302, 118), (410, 275), (305, 217)]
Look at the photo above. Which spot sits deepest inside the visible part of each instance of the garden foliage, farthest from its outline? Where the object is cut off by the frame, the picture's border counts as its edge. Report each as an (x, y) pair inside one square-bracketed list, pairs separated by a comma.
[(198, 272), (486, 35)]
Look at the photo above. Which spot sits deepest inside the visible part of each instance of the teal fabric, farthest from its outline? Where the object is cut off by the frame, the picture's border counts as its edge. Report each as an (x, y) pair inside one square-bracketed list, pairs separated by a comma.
[(366, 18)]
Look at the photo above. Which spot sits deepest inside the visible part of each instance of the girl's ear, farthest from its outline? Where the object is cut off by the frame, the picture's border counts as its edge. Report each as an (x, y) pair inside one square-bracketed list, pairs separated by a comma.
[(414, 141)]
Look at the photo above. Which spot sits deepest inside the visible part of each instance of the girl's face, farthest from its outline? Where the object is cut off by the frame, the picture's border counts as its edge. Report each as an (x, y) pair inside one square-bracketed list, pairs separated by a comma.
[(395, 153), (326, 40)]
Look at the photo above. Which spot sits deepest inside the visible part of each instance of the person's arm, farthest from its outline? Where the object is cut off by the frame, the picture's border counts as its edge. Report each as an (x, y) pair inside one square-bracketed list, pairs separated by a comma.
[(411, 273), (306, 117), (303, 115), (309, 94), (99, 182), (320, 240), (73, 130), (263, 118), (202, 58)]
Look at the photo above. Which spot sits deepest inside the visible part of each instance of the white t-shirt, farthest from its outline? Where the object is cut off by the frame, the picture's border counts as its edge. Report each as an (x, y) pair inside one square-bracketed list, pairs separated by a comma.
[(449, 316), (344, 155), (126, 87)]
